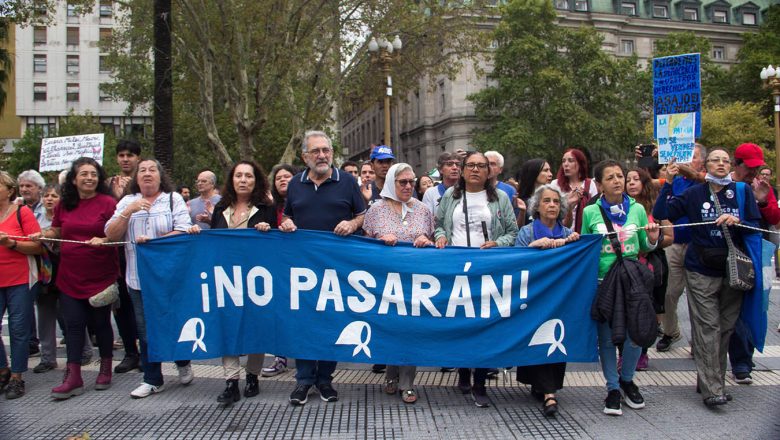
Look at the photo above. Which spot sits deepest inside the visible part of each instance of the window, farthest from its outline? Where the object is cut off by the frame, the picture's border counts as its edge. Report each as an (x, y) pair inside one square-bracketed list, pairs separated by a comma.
[(581, 5), (40, 8), (660, 11), (627, 47), (442, 98), (106, 8), (39, 36), (720, 16), (718, 53), (562, 4), (103, 65), (72, 37), (749, 19), (39, 63), (72, 92), (627, 8), (39, 92), (72, 64), (47, 124), (691, 14), (103, 96), (105, 34), (72, 17)]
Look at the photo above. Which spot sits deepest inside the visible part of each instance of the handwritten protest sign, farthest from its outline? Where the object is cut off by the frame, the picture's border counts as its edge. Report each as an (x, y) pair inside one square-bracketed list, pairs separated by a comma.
[(675, 137), (677, 87), (58, 153)]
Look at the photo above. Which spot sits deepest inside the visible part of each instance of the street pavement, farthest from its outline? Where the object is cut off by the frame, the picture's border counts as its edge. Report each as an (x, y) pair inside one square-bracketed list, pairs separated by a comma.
[(673, 411)]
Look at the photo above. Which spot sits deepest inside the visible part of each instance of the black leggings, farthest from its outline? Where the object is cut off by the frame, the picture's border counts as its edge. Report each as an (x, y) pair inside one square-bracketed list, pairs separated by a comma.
[(78, 315)]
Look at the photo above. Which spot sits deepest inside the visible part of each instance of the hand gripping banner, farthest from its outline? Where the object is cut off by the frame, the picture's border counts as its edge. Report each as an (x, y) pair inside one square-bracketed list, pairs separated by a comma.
[(314, 295)]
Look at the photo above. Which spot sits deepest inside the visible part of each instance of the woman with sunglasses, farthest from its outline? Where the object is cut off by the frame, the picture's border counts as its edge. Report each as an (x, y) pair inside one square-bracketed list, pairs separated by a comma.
[(473, 214), (398, 216)]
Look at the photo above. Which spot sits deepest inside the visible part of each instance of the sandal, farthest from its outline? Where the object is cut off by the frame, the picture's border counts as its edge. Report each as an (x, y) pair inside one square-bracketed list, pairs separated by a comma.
[(391, 386), (552, 409), (408, 396)]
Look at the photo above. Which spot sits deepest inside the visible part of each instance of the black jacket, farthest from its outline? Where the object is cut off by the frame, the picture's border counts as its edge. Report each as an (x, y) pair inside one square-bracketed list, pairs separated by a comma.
[(625, 300), (265, 213)]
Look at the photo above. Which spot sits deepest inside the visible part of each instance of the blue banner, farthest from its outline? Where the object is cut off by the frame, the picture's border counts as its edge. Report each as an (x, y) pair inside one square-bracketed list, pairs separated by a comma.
[(677, 88), (314, 295)]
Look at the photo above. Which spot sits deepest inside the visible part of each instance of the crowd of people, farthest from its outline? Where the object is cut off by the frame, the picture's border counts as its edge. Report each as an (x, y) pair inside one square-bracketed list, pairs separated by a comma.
[(53, 254)]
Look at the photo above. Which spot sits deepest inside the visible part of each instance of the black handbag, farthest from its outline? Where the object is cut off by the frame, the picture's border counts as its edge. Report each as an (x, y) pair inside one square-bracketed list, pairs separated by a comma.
[(742, 275)]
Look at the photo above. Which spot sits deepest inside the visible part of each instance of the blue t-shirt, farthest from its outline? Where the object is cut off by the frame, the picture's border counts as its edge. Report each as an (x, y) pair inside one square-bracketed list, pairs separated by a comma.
[(697, 204), (323, 207), (510, 192), (676, 188)]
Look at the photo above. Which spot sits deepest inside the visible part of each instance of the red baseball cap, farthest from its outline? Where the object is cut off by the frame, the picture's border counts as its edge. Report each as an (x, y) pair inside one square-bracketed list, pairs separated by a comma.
[(750, 154)]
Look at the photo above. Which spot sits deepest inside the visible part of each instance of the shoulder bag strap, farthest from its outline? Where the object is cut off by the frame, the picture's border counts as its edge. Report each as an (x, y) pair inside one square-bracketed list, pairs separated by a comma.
[(726, 233), (611, 233)]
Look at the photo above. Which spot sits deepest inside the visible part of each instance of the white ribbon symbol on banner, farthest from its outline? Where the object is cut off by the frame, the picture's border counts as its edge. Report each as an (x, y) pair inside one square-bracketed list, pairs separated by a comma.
[(545, 334), (353, 335), (190, 333)]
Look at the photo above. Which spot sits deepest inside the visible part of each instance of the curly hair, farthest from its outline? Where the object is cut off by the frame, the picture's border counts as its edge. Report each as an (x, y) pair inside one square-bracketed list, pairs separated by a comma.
[(259, 194), (533, 202), (70, 194), (492, 195)]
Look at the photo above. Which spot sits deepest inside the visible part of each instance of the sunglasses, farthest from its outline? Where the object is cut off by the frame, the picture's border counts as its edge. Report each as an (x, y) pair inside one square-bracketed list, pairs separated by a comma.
[(405, 182)]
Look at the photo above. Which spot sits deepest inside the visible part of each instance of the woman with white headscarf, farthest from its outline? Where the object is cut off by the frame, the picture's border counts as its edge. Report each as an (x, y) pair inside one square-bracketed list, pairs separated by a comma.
[(400, 217)]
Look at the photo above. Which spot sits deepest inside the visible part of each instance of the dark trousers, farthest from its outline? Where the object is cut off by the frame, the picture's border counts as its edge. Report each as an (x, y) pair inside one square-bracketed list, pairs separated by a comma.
[(125, 315), (741, 349), (480, 374), (314, 372), (78, 315)]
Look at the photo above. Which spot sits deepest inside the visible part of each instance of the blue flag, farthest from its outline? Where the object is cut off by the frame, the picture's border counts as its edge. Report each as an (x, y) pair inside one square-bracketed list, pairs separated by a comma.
[(315, 295)]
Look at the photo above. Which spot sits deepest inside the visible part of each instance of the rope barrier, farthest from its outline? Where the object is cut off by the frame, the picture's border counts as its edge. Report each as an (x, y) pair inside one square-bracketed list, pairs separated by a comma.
[(59, 240)]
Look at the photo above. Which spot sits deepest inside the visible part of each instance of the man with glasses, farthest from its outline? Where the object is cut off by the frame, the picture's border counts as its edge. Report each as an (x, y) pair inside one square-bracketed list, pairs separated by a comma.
[(448, 165), (202, 207), (320, 198)]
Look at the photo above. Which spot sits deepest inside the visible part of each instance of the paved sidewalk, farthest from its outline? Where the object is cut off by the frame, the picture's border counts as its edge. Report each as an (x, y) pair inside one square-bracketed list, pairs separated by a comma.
[(674, 410)]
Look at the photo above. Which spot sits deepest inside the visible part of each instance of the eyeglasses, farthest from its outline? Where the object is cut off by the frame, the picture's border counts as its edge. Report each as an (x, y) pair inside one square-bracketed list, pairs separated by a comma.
[(452, 163), (317, 152), (475, 165), (725, 160), (405, 182)]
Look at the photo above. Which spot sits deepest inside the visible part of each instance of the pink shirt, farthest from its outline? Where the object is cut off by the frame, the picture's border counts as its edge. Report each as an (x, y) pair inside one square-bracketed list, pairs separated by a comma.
[(14, 266), (381, 220), (85, 270)]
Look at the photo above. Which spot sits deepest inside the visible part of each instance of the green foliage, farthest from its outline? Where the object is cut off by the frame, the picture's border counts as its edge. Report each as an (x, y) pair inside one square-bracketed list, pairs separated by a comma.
[(760, 50), (555, 88)]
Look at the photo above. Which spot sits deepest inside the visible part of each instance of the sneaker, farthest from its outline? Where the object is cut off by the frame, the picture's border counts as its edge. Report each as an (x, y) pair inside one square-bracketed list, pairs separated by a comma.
[(145, 390), (279, 366), (86, 359), (743, 378), (612, 403), (44, 367), (451, 369), (492, 373), (479, 393), (665, 343), (185, 374), (328, 393), (34, 350), (633, 397), (378, 368), (643, 362), (129, 363), (14, 389), (300, 395)]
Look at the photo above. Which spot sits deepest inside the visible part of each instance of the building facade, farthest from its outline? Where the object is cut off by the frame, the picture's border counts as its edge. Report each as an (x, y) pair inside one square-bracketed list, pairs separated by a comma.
[(438, 117), (59, 68)]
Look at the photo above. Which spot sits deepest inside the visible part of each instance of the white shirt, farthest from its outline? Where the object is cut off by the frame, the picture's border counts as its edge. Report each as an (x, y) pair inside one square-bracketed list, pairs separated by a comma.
[(477, 204)]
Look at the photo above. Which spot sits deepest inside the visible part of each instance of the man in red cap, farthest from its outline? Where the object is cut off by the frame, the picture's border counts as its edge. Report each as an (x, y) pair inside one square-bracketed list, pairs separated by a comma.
[(749, 158)]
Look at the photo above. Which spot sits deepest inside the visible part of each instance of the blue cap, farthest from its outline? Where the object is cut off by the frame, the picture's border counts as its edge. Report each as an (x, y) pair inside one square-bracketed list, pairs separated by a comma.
[(382, 152)]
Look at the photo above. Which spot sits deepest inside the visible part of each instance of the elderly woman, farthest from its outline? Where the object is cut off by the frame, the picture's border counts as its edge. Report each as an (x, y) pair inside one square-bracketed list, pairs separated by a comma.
[(548, 208), (151, 209), (400, 217), (714, 306), (573, 182), (16, 274), (473, 214), (244, 204), (635, 234), (81, 216)]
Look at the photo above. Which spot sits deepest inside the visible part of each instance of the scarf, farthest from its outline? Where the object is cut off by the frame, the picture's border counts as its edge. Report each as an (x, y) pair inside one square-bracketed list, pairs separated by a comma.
[(617, 213), (388, 192), (722, 181), (541, 230)]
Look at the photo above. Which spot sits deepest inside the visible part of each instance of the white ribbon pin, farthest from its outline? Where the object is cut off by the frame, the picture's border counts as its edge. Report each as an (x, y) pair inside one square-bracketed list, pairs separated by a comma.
[(545, 334), (193, 331), (353, 335)]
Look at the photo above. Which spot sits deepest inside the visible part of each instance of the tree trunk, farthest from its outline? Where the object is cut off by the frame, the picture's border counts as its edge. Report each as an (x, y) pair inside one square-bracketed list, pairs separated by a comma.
[(163, 85)]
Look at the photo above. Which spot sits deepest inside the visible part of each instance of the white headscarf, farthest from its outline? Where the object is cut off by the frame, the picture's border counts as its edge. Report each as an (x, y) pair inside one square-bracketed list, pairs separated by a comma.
[(388, 190)]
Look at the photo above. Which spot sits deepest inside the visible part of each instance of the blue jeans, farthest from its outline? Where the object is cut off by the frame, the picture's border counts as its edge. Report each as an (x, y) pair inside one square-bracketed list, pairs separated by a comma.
[(152, 370), (314, 372), (741, 349), (19, 303), (631, 353)]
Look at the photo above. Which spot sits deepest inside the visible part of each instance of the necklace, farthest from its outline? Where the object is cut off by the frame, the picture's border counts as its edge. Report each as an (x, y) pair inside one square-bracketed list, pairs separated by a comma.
[(7, 213)]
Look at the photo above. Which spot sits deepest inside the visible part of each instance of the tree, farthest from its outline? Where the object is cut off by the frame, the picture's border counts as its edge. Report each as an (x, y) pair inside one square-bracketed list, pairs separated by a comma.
[(760, 49), (163, 84), (555, 88)]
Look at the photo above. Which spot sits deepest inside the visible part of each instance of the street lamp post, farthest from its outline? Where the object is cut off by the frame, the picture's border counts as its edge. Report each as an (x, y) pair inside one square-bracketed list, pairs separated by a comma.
[(384, 52), (771, 78)]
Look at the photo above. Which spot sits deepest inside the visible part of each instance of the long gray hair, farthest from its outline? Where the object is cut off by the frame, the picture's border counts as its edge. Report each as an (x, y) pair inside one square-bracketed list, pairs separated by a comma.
[(533, 202)]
